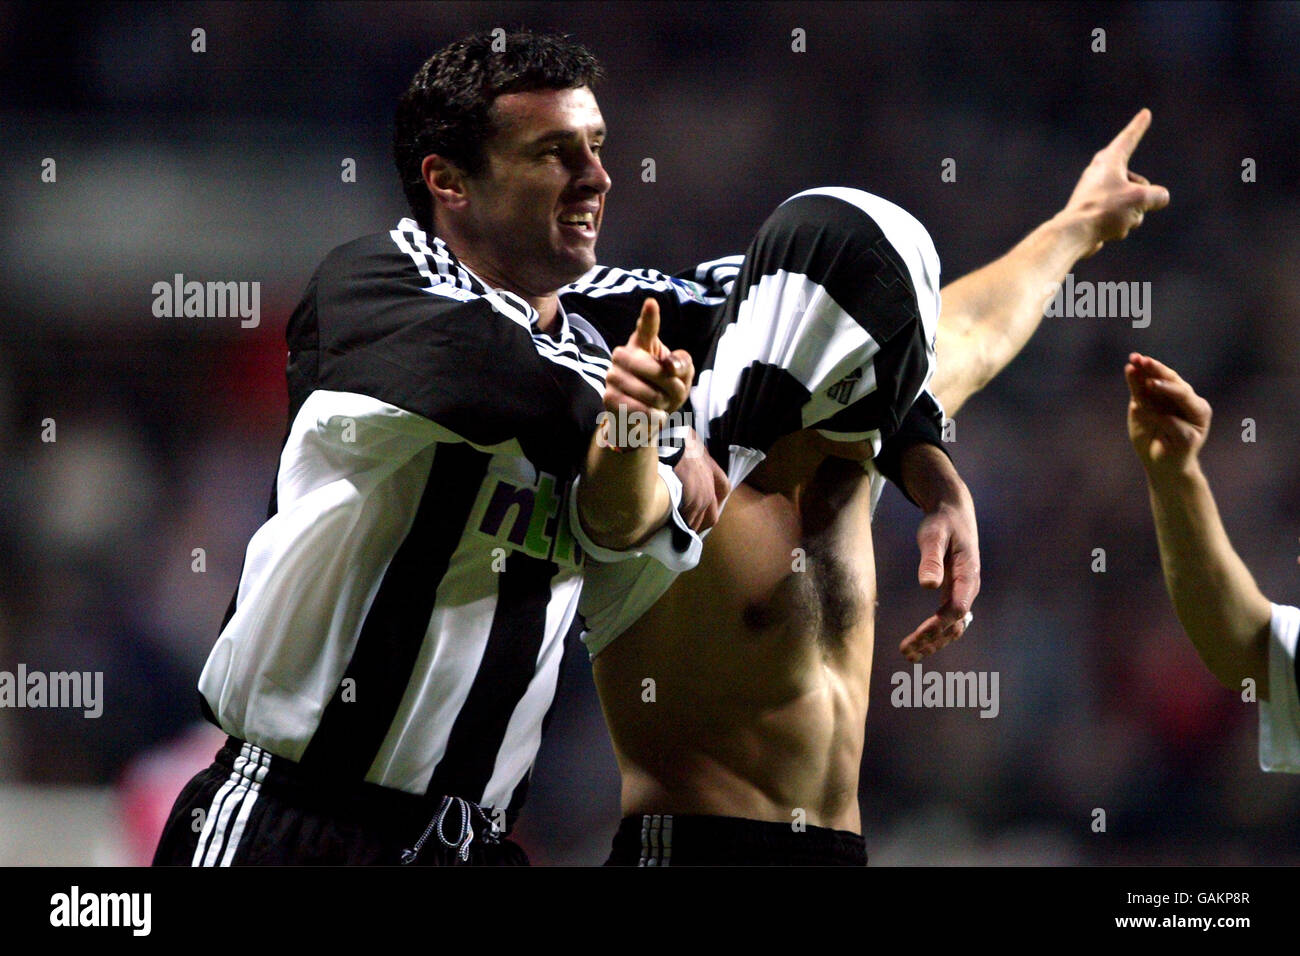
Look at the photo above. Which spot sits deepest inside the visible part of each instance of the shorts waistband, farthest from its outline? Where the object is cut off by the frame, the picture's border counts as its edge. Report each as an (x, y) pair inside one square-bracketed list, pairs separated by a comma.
[(398, 810), (655, 839)]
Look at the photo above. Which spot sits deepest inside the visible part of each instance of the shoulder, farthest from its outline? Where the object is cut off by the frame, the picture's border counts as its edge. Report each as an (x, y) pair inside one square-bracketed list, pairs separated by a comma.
[(604, 281), (404, 274), (405, 256)]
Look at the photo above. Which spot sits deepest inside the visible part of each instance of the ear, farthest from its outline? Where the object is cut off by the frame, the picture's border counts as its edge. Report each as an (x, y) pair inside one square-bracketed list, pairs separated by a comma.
[(445, 181)]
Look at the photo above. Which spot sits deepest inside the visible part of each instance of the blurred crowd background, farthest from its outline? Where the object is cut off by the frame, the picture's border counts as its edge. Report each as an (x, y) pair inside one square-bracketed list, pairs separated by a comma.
[(226, 165)]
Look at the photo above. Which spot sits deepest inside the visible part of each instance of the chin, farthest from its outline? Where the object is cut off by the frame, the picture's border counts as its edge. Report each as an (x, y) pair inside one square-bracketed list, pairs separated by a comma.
[(575, 267)]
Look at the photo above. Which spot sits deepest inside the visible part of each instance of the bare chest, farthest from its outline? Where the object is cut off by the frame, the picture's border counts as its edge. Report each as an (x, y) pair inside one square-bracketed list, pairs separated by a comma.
[(802, 565)]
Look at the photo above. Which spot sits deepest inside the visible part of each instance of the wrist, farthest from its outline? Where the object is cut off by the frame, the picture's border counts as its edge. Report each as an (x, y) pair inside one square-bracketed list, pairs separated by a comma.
[(619, 430), (1175, 477), (929, 476), (1073, 230)]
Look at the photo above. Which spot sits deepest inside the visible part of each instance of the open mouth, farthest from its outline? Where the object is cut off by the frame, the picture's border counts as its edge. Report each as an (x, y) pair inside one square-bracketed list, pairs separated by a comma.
[(583, 223)]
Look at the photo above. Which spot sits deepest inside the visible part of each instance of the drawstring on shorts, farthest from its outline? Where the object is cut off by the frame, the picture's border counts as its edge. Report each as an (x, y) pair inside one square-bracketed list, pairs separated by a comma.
[(464, 832)]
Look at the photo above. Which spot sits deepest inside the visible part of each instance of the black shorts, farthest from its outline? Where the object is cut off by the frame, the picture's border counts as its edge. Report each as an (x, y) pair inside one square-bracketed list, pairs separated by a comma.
[(675, 840), (251, 808)]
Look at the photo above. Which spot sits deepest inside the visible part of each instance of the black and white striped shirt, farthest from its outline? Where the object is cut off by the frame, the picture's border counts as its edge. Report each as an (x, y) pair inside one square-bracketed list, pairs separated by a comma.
[(401, 615), (829, 321)]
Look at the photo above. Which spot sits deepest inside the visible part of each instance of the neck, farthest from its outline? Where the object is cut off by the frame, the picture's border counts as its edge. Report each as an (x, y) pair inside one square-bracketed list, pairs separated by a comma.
[(546, 304), (548, 309)]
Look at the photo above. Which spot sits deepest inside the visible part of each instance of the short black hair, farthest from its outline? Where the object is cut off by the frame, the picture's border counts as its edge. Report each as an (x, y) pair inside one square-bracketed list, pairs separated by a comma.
[(447, 108)]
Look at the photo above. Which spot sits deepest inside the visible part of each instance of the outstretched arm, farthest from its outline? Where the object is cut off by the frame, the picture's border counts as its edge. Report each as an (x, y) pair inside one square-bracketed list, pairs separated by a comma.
[(989, 314), (1216, 599)]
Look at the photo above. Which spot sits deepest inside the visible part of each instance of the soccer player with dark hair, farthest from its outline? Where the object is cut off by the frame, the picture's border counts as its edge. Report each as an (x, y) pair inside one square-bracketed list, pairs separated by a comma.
[(387, 664)]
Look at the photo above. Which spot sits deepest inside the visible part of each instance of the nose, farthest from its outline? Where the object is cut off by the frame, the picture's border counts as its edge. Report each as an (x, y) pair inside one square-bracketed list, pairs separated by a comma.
[(592, 175)]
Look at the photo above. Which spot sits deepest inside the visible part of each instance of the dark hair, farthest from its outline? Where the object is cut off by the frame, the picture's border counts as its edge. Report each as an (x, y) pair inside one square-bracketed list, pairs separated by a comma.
[(447, 108)]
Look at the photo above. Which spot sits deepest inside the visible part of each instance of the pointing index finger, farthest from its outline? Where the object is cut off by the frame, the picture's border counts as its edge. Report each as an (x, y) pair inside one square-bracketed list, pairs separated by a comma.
[(1129, 137), (647, 326)]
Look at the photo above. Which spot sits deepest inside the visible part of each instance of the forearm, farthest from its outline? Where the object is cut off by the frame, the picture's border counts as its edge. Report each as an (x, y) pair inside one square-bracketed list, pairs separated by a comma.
[(930, 478), (1215, 596), (988, 315), (948, 537), (621, 498)]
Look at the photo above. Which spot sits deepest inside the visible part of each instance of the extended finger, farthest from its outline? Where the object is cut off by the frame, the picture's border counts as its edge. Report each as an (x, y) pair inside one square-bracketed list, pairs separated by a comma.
[(965, 578), (932, 635), (916, 645), (933, 540), (647, 326), (1129, 137)]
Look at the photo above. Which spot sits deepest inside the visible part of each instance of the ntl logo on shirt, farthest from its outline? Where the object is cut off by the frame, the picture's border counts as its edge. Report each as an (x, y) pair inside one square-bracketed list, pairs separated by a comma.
[(532, 517)]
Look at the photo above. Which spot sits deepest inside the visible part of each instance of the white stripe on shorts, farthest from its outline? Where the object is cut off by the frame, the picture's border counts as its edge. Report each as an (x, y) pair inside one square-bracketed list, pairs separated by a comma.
[(210, 821), (656, 839), (246, 807), (245, 778)]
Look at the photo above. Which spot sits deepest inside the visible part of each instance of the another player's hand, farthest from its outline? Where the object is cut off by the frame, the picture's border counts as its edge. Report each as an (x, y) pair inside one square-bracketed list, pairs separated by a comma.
[(644, 376), (950, 551), (704, 484), (1110, 199), (1167, 421)]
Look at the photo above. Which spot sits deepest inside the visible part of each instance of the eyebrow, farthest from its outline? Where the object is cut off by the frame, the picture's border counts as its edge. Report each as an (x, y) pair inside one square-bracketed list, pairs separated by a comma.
[(564, 134)]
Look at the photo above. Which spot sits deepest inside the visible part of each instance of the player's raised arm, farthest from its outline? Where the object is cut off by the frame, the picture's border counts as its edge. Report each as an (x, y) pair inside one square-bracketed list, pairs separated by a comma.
[(1214, 595), (621, 499), (989, 314)]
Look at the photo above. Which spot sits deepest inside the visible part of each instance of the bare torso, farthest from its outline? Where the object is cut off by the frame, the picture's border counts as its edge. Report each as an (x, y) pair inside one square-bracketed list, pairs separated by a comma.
[(760, 657)]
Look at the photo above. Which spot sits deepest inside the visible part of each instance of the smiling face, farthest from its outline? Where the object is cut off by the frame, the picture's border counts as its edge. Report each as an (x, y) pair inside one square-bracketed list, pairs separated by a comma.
[(529, 221)]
